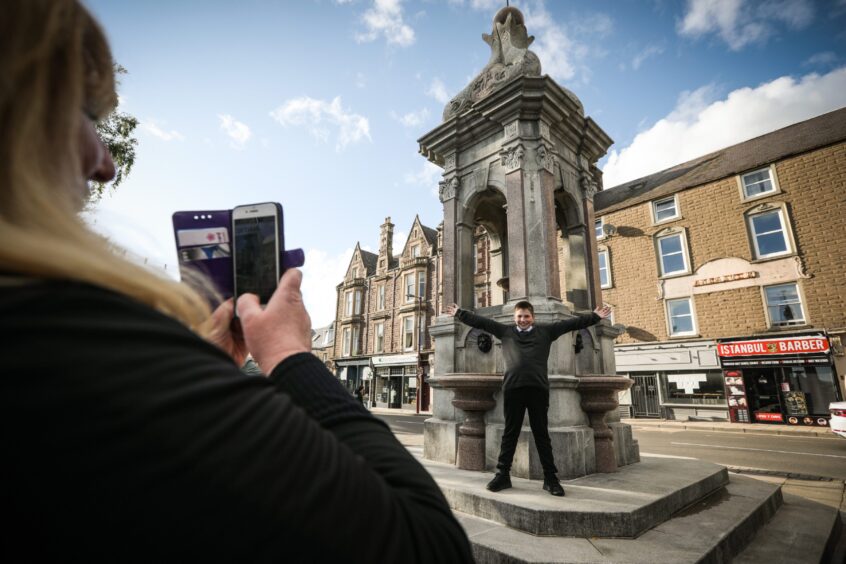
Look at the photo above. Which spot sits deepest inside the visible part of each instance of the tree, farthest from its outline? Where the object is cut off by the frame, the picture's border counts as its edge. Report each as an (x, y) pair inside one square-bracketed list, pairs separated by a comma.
[(116, 132)]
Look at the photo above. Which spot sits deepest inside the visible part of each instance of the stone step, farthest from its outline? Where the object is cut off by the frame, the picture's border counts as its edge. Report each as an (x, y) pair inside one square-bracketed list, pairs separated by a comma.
[(623, 504), (712, 530)]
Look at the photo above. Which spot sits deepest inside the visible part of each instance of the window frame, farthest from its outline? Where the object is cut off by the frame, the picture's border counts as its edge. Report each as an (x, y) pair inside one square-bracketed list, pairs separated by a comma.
[(601, 221), (745, 197), (406, 332), (410, 295), (666, 234), (606, 253), (801, 302), (654, 207), (349, 303), (379, 337), (694, 331), (786, 231), (380, 297), (346, 341), (355, 347)]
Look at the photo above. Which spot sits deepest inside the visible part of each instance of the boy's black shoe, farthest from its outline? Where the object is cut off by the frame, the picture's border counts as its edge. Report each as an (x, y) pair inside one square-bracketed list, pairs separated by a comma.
[(550, 484), (500, 482)]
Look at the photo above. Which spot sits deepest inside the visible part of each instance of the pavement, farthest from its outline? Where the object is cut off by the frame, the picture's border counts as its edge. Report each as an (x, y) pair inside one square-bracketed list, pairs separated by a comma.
[(728, 427)]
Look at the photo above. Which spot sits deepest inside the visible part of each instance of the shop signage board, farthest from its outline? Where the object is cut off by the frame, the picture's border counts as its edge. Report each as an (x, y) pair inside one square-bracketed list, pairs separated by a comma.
[(808, 344), (736, 396)]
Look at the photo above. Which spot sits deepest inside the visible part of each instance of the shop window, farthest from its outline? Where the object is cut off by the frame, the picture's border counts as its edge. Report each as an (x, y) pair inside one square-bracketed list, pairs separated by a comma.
[(784, 305), (807, 388), (769, 233), (665, 210), (380, 338), (680, 317), (703, 388), (672, 253), (758, 183), (604, 269)]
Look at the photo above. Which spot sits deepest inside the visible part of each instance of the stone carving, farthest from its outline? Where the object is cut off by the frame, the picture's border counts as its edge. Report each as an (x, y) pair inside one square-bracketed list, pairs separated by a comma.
[(512, 158), (545, 158), (448, 189), (449, 162), (510, 57), (511, 129), (544, 131), (588, 185)]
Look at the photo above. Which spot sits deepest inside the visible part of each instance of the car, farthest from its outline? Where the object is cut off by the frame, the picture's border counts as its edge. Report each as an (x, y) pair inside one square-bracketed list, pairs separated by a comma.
[(838, 417)]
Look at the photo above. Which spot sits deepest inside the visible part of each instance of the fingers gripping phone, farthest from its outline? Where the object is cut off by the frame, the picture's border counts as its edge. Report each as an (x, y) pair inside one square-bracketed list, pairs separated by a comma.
[(257, 232)]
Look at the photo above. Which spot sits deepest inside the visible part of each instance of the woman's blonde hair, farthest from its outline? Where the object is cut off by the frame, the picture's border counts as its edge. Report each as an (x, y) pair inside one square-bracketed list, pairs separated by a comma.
[(55, 67)]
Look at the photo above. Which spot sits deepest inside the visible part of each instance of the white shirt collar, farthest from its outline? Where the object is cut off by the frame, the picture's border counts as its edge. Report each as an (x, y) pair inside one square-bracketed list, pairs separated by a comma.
[(525, 330)]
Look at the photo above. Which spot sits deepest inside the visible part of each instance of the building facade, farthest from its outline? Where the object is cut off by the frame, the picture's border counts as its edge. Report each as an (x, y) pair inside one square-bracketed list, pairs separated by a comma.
[(727, 272), (385, 305)]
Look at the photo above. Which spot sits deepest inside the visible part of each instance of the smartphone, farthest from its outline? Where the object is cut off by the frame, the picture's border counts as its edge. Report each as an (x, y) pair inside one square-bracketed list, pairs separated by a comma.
[(204, 246), (258, 247)]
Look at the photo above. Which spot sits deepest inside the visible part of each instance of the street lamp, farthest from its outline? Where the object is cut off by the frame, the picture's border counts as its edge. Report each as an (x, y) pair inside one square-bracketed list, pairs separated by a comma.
[(419, 376)]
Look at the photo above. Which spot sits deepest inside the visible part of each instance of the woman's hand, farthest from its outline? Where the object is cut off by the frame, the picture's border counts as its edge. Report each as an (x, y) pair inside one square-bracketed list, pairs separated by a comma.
[(281, 329), (226, 332)]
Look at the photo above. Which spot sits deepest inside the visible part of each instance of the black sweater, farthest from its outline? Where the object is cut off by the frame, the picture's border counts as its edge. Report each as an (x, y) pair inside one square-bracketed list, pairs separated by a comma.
[(127, 437), (526, 353)]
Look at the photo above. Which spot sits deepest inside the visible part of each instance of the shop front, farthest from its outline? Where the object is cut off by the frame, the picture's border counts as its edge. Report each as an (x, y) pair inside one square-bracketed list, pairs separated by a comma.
[(395, 381), (779, 380), (353, 373)]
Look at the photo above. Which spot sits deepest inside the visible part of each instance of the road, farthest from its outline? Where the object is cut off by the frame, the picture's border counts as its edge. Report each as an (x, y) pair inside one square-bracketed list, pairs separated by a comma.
[(803, 456)]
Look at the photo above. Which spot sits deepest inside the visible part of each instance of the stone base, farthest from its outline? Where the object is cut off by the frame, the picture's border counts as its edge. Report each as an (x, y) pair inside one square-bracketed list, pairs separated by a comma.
[(572, 448), (625, 446), (440, 440)]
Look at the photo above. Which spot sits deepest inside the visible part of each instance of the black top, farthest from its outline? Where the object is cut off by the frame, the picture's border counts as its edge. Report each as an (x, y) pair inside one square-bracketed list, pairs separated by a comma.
[(127, 437), (526, 353)]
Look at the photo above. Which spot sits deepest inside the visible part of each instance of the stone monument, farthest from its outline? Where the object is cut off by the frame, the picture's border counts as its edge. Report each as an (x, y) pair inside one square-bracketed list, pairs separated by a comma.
[(519, 158)]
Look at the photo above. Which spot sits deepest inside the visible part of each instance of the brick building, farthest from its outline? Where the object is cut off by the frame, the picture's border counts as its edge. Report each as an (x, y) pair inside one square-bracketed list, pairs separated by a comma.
[(727, 272)]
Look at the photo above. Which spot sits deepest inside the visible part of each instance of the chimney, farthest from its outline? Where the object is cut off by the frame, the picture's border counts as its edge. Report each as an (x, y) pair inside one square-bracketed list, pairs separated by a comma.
[(386, 245)]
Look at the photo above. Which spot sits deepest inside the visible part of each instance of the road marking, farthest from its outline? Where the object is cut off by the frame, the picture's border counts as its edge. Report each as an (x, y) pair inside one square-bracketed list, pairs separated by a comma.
[(656, 455), (759, 450)]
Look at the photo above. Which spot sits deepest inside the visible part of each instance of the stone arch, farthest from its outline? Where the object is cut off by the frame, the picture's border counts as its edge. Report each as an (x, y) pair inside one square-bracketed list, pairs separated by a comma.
[(573, 247), (486, 208)]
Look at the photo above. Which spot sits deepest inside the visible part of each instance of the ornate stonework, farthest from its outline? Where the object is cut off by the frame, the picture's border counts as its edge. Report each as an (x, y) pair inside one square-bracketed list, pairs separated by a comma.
[(511, 130), (448, 189), (510, 57), (589, 186), (544, 131), (512, 158), (545, 158), (449, 162)]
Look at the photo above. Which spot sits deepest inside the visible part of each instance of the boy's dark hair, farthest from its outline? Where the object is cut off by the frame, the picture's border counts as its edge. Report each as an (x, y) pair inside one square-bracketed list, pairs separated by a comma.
[(525, 305)]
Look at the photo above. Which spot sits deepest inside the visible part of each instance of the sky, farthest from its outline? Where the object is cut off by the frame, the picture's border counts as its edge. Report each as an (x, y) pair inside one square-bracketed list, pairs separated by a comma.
[(317, 104)]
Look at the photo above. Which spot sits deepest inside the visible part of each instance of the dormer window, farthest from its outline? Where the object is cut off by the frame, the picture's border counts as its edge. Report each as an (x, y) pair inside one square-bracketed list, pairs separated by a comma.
[(665, 210)]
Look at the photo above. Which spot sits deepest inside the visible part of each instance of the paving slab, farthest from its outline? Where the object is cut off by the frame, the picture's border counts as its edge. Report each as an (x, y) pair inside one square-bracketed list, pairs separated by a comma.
[(625, 503)]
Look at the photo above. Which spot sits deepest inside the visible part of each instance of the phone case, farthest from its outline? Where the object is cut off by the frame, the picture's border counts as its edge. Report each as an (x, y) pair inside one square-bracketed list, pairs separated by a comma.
[(204, 244)]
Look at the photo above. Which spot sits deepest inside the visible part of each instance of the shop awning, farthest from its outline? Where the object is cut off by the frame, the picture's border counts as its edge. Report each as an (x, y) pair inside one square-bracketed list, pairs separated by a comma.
[(394, 360)]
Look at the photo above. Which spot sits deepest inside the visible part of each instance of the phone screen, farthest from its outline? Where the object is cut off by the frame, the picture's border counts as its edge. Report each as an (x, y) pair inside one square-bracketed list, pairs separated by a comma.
[(256, 256)]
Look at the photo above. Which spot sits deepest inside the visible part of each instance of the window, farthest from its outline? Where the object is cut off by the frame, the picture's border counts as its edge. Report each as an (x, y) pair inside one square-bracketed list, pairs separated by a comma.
[(346, 343), (380, 297), (408, 333), (680, 316), (476, 266), (597, 228), (357, 307), (348, 305), (354, 338), (757, 183), (415, 251), (354, 272), (421, 285), (380, 337), (330, 336), (769, 235), (665, 210), (409, 287), (784, 306), (694, 388), (671, 249), (604, 270)]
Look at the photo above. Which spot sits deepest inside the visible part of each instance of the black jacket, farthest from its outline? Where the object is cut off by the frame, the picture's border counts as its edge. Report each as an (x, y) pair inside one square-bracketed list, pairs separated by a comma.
[(127, 437)]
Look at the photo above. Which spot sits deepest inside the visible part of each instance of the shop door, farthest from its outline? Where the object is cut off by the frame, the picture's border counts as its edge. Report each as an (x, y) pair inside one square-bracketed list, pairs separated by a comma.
[(395, 394), (763, 394), (645, 395)]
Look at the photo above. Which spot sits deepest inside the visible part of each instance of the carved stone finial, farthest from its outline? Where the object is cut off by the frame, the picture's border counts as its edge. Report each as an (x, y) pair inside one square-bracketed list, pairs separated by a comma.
[(510, 57)]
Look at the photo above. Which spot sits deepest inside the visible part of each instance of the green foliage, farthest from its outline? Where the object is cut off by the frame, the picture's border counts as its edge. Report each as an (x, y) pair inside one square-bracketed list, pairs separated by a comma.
[(116, 132)]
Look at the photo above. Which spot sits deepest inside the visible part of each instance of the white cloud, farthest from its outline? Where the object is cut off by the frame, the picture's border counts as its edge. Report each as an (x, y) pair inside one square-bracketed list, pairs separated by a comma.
[(427, 176), (438, 91), (385, 18), (360, 81), (320, 117), (740, 22), (699, 125), (237, 131), (823, 59), (321, 273), (153, 129), (412, 119), (649, 51)]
